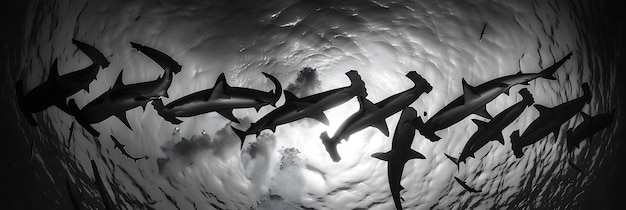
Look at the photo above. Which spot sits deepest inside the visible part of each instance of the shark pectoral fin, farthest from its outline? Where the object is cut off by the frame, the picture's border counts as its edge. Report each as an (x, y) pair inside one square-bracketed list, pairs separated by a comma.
[(122, 117), (483, 112), (228, 114), (500, 139), (321, 117), (479, 123), (382, 126), (415, 155), (258, 107), (382, 156), (556, 133), (468, 92), (300, 105)]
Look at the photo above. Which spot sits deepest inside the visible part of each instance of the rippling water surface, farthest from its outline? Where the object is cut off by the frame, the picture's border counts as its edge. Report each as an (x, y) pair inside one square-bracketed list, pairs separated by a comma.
[(308, 46)]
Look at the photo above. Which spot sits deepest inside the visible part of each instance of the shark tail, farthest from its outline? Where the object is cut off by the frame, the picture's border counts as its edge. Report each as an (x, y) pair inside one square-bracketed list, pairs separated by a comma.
[(19, 91), (94, 54), (241, 134), (526, 96), (331, 146), (72, 109), (548, 73), (424, 130), (517, 149), (357, 83), (278, 89), (418, 79), (161, 110)]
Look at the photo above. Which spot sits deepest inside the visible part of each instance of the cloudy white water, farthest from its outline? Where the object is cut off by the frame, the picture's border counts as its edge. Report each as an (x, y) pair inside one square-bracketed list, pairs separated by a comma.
[(198, 164)]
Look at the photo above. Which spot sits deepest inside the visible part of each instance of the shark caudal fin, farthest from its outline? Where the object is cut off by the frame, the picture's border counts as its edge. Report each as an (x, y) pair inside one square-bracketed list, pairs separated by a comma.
[(278, 89), (426, 131), (548, 73), (19, 91), (165, 61), (526, 96), (161, 110), (94, 54), (241, 134), (517, 149), (73, 109), (357, 83), (418, 80), (331, 146)]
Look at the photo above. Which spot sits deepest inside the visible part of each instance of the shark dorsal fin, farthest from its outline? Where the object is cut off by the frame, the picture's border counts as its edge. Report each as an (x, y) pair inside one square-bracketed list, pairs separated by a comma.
[(415, 155), (290, 97), (118, 81), (54, 71), (483, 112), (543, 111), (479, 123), (219, 90), (367, 105), (586, 117), (382, 156), (468, 91)]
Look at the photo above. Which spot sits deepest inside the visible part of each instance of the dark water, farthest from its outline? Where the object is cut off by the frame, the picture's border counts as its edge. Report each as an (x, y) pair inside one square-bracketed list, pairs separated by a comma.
[(199, 165)]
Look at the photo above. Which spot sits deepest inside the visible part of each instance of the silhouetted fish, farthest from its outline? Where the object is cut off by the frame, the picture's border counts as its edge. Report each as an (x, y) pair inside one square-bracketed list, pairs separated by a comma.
[(475, 99), (400, 153), (221, 99), (312, 106), (587, 128), (122, 149), (493, 129), (57, 88), (374, 115), (468, 188), (121, 98), (106, 198), (482, 32), (549, 121)]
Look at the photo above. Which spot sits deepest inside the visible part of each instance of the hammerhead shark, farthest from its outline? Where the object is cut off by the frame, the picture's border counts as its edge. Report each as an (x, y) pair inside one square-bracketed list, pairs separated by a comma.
[(493, 129), (222, 99), (587, 128), (106, 198), (549, 121), (120, 98), (370, 114), (400, 153), (312, 106), (57, 88), (120, 147), (475, 99)]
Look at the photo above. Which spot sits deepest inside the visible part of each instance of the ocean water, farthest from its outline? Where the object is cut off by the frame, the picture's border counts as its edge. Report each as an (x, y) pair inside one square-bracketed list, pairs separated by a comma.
[(308, 46)]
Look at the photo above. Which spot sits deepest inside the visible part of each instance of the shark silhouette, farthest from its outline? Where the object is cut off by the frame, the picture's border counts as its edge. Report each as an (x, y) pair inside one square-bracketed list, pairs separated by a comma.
[(122, 149), (121, 98), (374, 115), (106, 198), (57, 88), (400, 153), (475, 99), (467, 187), (549, 121), (587, 128), (493, 129), (221, 99), (311, 106)]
